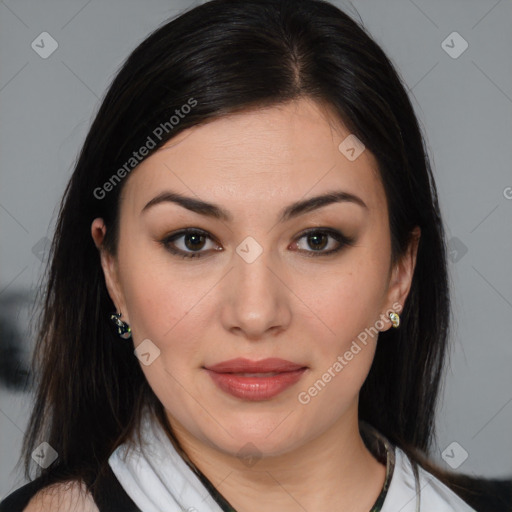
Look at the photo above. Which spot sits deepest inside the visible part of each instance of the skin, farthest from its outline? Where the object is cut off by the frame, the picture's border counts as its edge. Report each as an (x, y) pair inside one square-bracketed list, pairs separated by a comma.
[(62, 497), (201, 311)]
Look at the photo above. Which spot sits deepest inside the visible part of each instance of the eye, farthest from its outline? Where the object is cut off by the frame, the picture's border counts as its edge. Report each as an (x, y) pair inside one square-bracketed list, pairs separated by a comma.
[(193, 240), (318, 239)]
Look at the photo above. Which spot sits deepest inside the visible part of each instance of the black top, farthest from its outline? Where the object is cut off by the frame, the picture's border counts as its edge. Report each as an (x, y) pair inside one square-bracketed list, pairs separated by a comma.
[(109, 495)]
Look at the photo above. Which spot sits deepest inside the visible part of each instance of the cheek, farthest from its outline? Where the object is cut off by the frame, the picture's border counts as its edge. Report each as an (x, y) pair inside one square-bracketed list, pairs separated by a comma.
[(168, 312), (348, 304), (347, 301), (342, 354), (156, 295)]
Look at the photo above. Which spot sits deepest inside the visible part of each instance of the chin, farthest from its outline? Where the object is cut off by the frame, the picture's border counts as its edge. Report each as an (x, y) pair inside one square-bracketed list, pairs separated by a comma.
[(254, 442)]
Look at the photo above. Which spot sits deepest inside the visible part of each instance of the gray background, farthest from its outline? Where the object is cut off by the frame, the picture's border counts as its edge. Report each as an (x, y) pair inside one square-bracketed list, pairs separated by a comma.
[(464, 105)]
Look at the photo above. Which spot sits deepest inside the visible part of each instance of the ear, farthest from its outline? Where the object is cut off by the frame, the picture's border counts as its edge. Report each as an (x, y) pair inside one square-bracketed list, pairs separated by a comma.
[(110, 268), (401, 279)]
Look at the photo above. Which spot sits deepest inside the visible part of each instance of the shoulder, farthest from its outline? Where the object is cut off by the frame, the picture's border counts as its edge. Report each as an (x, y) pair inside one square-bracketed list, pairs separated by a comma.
[(429, 493), (57, 497), (63, 497)]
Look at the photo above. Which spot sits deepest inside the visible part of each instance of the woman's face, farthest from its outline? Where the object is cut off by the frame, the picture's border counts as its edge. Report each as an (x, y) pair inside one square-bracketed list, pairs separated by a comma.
[(258, 286)]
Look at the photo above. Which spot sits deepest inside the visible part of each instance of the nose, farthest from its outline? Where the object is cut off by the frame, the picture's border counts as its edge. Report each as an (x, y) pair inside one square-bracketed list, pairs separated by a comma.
[(255, 298)]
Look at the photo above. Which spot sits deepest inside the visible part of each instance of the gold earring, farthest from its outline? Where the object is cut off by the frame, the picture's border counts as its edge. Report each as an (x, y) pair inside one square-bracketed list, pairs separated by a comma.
[(395, 319)]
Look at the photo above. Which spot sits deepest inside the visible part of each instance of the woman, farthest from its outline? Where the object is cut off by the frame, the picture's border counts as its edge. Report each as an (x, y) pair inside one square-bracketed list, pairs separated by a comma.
[(247, 306)]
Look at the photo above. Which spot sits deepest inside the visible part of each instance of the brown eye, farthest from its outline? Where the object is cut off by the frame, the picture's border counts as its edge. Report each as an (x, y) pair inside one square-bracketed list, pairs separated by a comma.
[(318, 240), (194, 241), (191, 246)]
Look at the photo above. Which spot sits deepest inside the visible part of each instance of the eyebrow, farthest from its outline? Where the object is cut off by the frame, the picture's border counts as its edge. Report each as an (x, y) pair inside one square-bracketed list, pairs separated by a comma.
[(291, 211)]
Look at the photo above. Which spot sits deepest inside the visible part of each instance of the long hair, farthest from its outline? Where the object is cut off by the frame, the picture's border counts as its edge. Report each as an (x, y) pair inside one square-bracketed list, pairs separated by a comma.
[(223, 57)]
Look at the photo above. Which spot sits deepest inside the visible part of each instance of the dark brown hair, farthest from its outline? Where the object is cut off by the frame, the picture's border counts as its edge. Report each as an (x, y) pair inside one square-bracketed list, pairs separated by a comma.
[(231, 55)]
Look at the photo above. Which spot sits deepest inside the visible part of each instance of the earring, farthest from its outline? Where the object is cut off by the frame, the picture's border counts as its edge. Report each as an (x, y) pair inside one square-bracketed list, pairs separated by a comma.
[(123, 329), (395, 319)]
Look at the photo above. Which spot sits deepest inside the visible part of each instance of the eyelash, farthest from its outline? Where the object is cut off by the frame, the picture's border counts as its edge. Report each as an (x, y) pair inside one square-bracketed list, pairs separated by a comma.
[(336, 235)]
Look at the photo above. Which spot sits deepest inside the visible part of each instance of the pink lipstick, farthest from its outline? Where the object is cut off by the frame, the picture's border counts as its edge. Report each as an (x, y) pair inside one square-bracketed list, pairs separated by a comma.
[(255, 380)]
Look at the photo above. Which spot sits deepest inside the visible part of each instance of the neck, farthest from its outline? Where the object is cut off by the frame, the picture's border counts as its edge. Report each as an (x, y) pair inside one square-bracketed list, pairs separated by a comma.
[(332, 471)]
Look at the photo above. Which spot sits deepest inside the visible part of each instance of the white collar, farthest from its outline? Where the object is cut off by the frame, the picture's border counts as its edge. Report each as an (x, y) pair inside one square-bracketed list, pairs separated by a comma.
[(157, 479), (429, 494)]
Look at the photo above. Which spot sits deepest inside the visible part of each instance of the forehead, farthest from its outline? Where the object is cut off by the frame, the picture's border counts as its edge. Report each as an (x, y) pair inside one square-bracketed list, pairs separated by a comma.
[(258, 158)]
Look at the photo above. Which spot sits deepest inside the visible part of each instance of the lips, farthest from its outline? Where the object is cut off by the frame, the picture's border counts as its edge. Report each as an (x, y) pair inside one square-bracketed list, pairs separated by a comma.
[(241, 365), (255, 380)]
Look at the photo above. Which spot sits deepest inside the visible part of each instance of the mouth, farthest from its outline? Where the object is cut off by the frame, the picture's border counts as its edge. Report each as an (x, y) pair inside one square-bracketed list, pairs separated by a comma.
[(255, 380), (268, 374), (264, 366)]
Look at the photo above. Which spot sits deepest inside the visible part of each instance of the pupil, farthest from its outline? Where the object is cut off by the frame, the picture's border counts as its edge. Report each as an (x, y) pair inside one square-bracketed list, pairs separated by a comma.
[(316, 238), (193, 237)]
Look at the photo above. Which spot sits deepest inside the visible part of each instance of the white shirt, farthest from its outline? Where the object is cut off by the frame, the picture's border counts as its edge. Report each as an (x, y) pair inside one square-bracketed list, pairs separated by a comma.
[(159, 480), (431, 496)]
